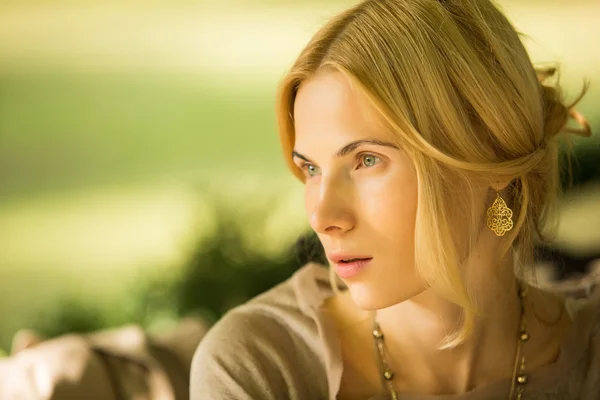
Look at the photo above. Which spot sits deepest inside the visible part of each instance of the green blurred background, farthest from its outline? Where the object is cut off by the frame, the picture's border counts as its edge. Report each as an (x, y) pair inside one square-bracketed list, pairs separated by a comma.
[(136, 135)]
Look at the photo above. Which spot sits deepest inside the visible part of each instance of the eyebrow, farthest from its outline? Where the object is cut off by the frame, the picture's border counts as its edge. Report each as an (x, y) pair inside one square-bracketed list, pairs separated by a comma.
[(350, 147)]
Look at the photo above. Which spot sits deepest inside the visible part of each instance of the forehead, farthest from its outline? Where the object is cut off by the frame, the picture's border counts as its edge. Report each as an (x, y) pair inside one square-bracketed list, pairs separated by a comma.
[(328, 106)]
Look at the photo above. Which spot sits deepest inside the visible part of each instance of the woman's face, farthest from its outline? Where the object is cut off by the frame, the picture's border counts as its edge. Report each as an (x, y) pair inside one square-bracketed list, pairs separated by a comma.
[(361, 191)]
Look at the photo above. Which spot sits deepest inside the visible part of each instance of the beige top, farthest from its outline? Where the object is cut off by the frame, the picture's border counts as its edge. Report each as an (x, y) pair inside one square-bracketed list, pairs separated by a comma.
[(282, 345)]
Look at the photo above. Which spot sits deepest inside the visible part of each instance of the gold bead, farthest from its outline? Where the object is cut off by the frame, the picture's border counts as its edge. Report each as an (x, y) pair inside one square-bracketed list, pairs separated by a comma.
[(524, 336), (522, 292), (377, 333), (522, 379), (388, 375)]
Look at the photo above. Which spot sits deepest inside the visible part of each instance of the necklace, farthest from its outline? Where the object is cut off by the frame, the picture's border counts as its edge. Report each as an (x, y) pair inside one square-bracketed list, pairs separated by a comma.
[(519, 375)]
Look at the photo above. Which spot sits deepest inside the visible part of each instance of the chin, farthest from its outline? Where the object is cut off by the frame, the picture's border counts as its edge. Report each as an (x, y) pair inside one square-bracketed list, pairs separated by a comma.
[(371, 297)]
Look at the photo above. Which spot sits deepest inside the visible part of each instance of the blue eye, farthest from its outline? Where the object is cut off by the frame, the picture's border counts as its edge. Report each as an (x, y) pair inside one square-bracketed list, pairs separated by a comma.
[(366, 160), (369, 160), (310, 169)]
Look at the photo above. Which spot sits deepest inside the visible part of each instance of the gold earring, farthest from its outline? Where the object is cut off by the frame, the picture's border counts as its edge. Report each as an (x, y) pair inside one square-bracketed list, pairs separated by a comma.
[(499, 216)]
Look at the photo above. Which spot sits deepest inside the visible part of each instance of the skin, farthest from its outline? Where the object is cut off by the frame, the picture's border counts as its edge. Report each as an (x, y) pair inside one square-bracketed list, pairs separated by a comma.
[(365, 203)]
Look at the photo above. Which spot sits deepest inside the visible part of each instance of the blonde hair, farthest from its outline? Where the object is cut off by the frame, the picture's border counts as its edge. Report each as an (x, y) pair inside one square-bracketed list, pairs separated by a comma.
[(455, 88)]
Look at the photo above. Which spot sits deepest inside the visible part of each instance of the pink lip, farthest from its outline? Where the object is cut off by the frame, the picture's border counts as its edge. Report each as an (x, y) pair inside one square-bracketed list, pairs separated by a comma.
[(348, 270)]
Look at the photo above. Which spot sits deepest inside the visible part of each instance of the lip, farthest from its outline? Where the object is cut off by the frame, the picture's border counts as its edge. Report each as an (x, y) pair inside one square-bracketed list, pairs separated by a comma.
[(338, 257), (349, 270)]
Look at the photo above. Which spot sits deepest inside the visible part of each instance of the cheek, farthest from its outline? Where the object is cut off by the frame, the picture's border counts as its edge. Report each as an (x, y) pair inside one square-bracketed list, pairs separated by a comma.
[(390, 207), (310, 198)]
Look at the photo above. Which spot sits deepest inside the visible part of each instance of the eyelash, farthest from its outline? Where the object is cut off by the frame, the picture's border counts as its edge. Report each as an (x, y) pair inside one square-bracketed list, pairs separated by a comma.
[(359, 158)]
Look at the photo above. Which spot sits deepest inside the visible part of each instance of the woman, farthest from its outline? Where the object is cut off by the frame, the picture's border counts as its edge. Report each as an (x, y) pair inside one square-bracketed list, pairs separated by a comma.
[(428, 146)]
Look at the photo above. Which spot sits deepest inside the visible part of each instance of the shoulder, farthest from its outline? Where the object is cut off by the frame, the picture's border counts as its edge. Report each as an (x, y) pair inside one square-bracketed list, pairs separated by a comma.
[(269, 347)]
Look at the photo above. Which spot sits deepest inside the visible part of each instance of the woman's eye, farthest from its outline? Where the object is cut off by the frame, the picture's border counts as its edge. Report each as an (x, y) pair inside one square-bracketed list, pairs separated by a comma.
[(369, 160), (366, 160), (310, 169)]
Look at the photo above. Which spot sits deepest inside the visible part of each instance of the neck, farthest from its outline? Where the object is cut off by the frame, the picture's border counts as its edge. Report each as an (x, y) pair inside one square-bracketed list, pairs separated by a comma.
[(415, 329)]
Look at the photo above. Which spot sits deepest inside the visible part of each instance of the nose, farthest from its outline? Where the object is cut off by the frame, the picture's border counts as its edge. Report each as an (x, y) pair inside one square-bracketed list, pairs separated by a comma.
[(332, 212)]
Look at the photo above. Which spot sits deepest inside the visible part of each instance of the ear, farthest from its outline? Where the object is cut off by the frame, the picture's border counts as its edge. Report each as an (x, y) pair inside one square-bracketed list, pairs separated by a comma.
[(499, 186)]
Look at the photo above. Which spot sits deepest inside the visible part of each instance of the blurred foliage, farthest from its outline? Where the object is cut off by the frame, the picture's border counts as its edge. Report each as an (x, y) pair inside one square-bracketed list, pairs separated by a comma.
[(586, 165), (224, 269), (69, 315)]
